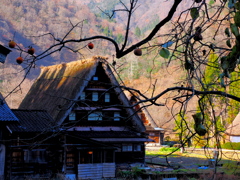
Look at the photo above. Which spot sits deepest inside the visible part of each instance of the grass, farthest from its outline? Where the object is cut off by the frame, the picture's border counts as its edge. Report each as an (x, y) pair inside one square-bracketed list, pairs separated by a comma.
[(175, 154), (164, 151), (206, 155)]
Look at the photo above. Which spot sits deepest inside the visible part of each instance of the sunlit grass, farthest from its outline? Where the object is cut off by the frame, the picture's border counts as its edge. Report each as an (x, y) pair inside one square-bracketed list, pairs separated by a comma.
[(195, 162), (204, 155), (162, 154)]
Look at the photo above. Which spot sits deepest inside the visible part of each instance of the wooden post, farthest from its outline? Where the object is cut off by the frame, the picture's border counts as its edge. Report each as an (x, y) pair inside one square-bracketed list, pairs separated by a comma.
[(2, 160), (161, 138), (114, 156), (64, 154)]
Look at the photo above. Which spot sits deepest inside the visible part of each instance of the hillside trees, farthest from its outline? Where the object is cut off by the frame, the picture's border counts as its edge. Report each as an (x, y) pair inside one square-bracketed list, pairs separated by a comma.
[(205, 34), (19, 87)]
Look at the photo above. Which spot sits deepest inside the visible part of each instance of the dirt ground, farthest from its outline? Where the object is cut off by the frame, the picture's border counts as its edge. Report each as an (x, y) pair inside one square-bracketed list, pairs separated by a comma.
[(177, 161), (184, 162)]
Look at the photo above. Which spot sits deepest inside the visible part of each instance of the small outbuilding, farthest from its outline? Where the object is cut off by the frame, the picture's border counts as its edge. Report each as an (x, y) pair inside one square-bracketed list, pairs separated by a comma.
[(6, 117), (233, 130)]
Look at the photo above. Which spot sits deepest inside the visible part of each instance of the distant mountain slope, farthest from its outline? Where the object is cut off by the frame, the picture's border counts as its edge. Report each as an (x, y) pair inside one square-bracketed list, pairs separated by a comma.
[(160, 81), (27, 21)]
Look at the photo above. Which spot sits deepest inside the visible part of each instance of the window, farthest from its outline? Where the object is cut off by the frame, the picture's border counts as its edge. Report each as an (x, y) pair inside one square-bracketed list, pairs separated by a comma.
[(27, 155), (38, 155), (127, 147), (83, 96), (70, 160), (95, 78), (35, 155), (116, 116), (95, 116), (16, 156), (95, 96), (136, 147), (72, 116), (107, 97)]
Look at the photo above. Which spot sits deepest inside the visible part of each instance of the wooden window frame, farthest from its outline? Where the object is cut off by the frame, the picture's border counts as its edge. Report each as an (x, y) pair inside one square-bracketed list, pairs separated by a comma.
[(95, 116), (116, 116), (137, 147), (95, 78), (107, 97), (72, 116), (127, 148), (83, 96), (95, 96), (35, 155)]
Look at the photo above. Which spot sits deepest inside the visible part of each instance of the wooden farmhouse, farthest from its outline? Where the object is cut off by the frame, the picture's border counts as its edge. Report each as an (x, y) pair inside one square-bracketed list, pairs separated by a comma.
[(6, 117), (233, 130), (98, 130), (29, 143)]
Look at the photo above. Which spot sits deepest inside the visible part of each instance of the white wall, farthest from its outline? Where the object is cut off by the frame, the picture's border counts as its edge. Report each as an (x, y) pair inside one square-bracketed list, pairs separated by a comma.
[(235, 138)]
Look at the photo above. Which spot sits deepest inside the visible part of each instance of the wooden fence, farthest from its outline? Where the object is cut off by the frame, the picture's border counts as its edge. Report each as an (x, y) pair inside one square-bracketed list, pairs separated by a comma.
[(96, 171)]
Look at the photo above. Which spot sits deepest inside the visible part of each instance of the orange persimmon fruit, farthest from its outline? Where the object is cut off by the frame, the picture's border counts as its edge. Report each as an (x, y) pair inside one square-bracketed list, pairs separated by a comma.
[(12, 44), (19, 60), (90, 45), (138, 52)]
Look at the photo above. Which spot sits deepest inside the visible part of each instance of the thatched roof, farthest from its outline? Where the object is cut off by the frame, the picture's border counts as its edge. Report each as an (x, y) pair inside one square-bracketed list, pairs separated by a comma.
[(148, 116), (153, 125), (234, 128), (58, 86)]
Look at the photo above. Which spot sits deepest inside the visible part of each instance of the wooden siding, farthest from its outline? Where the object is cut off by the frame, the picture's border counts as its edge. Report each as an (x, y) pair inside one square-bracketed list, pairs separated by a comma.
[(2, 160), (96, 171)]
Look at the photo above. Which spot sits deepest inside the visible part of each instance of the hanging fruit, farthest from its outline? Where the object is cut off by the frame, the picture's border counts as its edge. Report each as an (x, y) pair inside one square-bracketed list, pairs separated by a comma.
[(90, 45), (138, 52), (31, 50), (198, 126), (204, 52), (197, 36), (19, 60), (12, 44)]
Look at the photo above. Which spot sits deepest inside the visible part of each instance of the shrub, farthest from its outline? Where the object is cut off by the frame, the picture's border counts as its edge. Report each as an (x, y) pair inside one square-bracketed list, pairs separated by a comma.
[(134, 173), (231, 168), (231, 145), (170, 143)]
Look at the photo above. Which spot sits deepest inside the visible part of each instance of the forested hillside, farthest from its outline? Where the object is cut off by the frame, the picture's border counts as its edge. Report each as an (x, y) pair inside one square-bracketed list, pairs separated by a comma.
[(35, 22), (29, 22)]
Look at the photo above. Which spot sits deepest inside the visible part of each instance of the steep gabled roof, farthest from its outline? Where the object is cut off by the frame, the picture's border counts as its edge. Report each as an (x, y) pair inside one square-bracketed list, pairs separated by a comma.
[(5, 112), (59, 86), (32, 121), (148, 115), (143, 108), (234, 128)]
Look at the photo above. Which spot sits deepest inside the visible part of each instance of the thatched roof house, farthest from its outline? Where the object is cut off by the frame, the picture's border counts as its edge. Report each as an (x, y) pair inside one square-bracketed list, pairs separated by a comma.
[(234, 128), (58, 87)]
